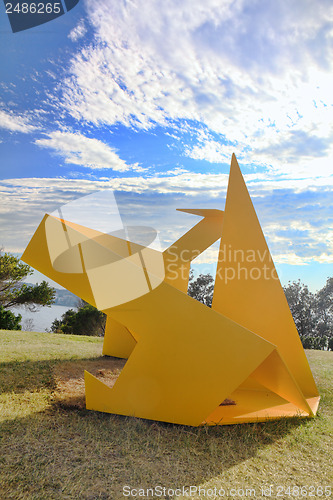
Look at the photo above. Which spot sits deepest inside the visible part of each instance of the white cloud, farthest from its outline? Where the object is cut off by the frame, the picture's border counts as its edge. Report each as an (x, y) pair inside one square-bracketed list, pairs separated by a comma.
[(292, 259), (78, 32), (296, 260), (210, 150), (15, 123), (258, 73), (297, 234), (184, 183), (80, 150), (187, 184), (209, 256)]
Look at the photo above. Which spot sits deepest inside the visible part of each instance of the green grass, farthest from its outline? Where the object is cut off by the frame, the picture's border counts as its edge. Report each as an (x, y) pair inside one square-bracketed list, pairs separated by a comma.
[(50, 452)]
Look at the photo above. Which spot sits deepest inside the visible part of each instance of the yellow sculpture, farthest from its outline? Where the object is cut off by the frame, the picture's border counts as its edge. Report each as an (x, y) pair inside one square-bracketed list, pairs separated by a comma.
[(239, 361)]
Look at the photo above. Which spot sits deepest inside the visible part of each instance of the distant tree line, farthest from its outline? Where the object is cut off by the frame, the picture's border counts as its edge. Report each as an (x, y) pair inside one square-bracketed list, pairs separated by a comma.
[(312, 312)]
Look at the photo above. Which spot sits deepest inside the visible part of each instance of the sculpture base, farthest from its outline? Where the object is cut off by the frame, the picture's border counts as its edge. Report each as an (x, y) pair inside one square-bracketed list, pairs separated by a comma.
[(270, 407)]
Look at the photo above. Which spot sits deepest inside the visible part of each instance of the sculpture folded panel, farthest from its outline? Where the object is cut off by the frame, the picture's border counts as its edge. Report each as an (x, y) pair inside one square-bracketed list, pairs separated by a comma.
[(239, 361)]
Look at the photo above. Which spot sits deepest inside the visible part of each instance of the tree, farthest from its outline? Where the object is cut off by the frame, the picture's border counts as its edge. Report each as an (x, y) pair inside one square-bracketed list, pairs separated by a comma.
[(330, 344), (8, 320), (14, 292), (302, 306), (28, 325), (312, 313), (201, 288), (86, 321), (315, 342), (324, 308)]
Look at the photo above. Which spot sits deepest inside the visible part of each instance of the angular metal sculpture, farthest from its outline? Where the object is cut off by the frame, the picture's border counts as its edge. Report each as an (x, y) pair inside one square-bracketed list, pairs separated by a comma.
[(239, 361)]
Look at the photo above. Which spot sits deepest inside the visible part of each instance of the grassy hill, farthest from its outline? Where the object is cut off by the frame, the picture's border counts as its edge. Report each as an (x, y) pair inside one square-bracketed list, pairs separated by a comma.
[(52, 448)]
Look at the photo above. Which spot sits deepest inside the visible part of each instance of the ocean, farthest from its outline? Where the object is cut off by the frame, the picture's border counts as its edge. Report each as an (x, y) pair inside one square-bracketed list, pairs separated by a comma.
[(41, 320)]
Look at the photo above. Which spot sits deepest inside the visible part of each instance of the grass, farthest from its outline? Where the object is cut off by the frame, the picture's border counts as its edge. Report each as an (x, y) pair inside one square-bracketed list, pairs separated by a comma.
[(53, 450)]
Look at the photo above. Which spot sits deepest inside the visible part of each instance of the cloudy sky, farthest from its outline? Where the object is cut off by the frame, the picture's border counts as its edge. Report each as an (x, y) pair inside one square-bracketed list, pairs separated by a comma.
[(150, 99)]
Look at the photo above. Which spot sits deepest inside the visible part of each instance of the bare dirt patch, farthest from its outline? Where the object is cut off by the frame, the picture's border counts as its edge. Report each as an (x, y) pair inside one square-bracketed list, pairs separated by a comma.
[(69, 379)]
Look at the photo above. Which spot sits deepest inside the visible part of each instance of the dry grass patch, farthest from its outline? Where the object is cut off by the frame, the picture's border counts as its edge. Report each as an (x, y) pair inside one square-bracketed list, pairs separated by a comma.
[(69, 379)]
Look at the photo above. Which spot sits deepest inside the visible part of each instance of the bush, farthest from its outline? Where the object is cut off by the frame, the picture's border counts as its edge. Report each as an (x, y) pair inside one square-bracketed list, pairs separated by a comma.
[(315, 342), (86, 321), (8, 320)]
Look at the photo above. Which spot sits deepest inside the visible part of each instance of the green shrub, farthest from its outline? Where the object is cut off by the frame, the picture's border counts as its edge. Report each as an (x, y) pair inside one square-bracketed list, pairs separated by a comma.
[(8, 320)]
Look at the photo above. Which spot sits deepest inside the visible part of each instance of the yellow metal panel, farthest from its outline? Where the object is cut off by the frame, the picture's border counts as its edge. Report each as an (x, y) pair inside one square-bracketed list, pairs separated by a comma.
[(274, 374), (178, 257), (37, 255), (161, 379), (247, 288), (118, 341)]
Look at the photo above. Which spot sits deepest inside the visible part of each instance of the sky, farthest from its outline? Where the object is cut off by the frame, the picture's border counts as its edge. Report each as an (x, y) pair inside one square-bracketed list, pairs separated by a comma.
[(150, 99)]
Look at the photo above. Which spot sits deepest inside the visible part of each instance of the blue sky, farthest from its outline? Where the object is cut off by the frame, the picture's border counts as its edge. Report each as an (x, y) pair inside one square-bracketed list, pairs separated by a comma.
[(151, 98)]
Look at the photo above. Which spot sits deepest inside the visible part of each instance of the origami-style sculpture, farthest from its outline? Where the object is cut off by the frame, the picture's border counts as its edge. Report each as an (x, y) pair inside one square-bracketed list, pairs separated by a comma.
[(239, 361)]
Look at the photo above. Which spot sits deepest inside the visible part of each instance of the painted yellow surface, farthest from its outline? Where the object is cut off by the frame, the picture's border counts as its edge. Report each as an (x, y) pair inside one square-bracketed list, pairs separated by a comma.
[(239, 361), (247, 288), (118, 341)]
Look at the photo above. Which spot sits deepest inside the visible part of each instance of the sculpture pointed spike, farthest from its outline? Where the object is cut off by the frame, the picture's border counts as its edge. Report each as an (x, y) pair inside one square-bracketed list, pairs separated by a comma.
[(247, 287)]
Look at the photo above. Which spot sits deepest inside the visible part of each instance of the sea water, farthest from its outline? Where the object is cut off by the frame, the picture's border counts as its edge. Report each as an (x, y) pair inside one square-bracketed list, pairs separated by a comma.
[(42, 319)]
